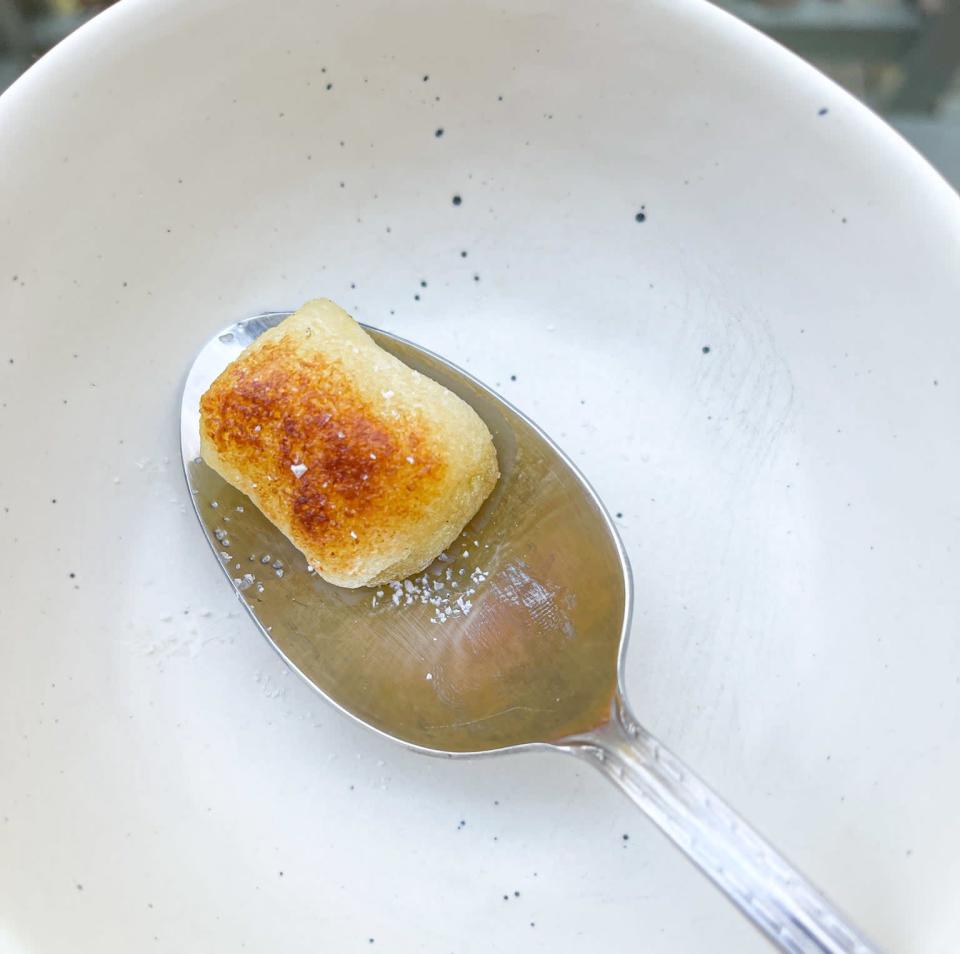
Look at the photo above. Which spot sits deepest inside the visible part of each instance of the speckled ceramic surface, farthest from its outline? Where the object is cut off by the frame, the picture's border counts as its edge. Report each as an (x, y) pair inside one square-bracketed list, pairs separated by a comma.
[(759, 375)]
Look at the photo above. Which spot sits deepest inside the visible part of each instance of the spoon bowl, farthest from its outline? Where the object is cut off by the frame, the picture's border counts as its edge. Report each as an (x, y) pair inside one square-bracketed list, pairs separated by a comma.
[(513, 639)]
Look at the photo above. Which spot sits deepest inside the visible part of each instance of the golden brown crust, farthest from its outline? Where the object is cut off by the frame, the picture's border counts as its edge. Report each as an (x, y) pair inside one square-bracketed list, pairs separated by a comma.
[(368, 467)]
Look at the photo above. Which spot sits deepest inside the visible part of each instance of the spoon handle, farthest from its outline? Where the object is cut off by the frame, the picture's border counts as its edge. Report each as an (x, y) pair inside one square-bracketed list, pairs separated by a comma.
[(769, 891)]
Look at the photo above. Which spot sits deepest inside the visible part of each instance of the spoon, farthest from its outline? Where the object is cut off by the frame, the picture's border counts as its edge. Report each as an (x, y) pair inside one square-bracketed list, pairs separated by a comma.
[(514, 639)]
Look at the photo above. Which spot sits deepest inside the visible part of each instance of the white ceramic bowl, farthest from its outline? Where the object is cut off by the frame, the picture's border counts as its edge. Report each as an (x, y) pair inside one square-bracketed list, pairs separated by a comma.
[(789, 498)]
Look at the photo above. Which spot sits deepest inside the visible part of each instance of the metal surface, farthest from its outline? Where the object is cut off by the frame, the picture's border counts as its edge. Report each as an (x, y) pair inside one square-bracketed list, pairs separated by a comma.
[(780, 902), (537, 660), (534, 659)]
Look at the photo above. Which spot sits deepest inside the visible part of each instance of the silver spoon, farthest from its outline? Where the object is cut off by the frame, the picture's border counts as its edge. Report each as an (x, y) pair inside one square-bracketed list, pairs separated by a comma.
[(513, 640)]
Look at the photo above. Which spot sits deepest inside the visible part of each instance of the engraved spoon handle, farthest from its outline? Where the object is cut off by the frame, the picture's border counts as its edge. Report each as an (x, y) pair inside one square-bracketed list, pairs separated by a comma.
[(766, 888)]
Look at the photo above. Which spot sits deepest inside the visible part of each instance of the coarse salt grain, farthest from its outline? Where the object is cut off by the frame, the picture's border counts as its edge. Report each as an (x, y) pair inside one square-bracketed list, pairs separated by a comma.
[(409, 460), (387, 394), (428, 592), (298, 470)]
